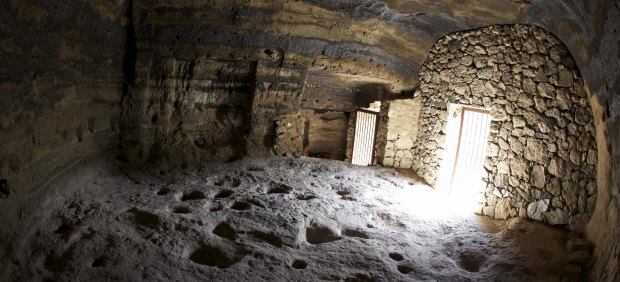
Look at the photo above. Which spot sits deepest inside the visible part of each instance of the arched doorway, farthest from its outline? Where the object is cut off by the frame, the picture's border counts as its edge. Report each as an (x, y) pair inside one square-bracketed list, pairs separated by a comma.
[(541, 156)]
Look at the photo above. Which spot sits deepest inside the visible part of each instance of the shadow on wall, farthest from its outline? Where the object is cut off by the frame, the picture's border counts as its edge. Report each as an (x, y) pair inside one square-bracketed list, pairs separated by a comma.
[(186, 111), (4, 189), (365, 94)]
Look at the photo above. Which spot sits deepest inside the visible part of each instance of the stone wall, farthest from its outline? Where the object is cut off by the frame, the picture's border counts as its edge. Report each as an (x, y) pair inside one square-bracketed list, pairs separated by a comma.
[(278, 93), (290, 135), (542, 152), (402, 130)]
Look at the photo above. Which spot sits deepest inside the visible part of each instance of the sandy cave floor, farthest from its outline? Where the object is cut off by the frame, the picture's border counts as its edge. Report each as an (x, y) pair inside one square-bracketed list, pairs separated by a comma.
[(270, 219)]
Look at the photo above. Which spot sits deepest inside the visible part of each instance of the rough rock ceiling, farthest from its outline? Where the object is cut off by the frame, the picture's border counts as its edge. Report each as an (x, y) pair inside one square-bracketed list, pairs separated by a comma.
[(425, 21), (363, 35)]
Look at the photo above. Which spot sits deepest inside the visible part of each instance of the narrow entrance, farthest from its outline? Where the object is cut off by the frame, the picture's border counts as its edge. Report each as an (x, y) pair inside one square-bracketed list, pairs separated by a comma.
[(468, 132), (364, 138)]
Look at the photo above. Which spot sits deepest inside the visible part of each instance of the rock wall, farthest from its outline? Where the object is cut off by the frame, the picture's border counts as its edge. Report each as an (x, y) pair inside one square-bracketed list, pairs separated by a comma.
[(188, 110), (61, 82), (350, 136), (402, 130), (290, 135), (278, 93), (542, 152)]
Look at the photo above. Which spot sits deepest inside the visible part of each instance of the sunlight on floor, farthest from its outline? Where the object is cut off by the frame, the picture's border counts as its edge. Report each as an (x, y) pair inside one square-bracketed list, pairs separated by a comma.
[(427, 203)]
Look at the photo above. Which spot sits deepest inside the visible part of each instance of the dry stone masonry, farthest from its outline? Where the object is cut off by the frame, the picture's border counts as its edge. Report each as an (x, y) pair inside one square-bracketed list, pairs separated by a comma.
[(290, 130), (402, 129), (542, 153)]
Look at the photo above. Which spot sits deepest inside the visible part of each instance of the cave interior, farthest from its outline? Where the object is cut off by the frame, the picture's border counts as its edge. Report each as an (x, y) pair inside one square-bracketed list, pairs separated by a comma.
[(361, 140)]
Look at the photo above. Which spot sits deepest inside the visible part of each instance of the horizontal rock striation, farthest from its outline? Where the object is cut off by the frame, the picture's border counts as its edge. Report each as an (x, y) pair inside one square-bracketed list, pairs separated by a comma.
[(61, 82)]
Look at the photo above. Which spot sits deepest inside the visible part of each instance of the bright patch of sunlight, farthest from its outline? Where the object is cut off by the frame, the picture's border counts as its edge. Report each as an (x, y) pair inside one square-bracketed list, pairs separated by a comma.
[(427, 203)]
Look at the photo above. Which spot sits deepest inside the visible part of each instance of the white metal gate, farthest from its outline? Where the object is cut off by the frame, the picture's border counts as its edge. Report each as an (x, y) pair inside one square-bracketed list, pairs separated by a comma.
[(364, 140), (471, 148)]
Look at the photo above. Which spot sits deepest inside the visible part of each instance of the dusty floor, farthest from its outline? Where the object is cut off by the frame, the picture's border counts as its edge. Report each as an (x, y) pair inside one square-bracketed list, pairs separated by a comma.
[(270, 219)]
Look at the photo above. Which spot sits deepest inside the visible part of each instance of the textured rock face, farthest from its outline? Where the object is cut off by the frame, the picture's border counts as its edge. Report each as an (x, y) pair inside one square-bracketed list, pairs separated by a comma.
[(189, 110), (290, 135), (61, 81), (402, 129), (541, 118), (203, 92), (61, 77), (262, 219)]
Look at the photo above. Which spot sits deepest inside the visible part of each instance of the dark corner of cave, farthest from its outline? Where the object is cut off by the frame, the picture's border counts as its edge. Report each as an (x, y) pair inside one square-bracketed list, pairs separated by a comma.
[(309, 140)]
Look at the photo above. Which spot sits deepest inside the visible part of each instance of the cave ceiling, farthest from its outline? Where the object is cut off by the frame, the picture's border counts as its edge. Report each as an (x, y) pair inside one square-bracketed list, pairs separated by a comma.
[(381, 40)]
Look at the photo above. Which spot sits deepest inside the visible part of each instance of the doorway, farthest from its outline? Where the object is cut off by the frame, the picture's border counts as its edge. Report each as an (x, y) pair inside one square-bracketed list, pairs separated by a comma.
[(467, 139), (327, 135), (364, 138)]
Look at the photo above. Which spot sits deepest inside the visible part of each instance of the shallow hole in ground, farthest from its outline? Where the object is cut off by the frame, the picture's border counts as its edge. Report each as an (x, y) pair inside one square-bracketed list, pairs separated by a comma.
[(343, 193), (224, 194), (299, 264), (306, 197), (236, 182), (396, 256), (163, 191), (214, 257), (320, 234), (99, 262), (404, 269), (280, 189), (355, 233), (471, 261), (182, 210), (270, 238), (241, 206), (145, 219), (63, 228), (225, 231), (192, 196), (59, 263)]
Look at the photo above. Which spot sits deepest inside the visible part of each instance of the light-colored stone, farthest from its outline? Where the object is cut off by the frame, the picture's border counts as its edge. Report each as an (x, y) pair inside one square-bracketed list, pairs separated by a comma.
[(538, 176), (535, 151), (492, 150), (502, 209), (404, 143), (536, 210)]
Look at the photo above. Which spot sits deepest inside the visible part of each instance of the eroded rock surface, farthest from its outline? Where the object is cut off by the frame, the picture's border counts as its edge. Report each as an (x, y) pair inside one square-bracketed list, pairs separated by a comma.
[(221, 222)]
